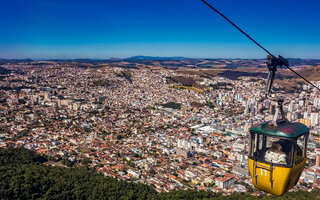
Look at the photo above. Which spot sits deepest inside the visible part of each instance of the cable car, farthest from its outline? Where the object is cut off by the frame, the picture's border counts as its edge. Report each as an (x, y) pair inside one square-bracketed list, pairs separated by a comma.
[(277, 155)]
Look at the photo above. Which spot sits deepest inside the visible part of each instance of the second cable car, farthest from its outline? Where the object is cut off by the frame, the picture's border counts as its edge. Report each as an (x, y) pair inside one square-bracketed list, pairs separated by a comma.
[(277, 155)]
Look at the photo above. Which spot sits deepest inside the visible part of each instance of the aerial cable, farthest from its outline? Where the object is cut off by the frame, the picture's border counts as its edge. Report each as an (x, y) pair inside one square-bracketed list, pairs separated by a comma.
[(237, 27), (268, 52)]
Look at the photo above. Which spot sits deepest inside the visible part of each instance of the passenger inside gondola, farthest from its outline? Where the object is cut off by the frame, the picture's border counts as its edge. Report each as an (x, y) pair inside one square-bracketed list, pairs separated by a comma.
[(272, 149), (275, 154)]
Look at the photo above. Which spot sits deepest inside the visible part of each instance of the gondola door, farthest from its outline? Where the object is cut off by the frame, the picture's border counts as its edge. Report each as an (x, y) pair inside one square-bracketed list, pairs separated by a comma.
[(262, 173)]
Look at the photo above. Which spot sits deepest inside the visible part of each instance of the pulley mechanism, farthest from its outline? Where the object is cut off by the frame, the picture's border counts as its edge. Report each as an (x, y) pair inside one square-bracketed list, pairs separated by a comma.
[(273, 63)]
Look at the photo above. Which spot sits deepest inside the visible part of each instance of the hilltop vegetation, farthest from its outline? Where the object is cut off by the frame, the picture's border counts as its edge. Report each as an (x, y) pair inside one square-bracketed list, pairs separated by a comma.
[(24, 176), (4, 71), (172, 105)]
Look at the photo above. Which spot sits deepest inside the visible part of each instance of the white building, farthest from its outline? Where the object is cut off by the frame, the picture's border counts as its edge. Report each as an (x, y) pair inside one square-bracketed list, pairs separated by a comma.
[(225, 182), (314, 119)]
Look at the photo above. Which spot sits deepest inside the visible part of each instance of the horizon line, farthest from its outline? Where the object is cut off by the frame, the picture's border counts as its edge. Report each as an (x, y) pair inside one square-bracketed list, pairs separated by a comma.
[(149, 57)]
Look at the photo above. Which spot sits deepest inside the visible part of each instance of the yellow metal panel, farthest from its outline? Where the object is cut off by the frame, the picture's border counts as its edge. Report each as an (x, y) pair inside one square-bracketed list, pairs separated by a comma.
[(275, 180)]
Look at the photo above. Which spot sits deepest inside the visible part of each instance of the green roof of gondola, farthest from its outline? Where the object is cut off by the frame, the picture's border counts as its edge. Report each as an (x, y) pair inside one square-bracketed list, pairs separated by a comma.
[(283, 129)]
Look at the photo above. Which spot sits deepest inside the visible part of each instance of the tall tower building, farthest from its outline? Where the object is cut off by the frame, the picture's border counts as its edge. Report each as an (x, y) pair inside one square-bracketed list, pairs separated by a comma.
[(256, 108), (289, 116), (316, 102), (253, 110), (46, 96), (246, 110), (301, 103), (305, 115), (291, 106), (318, 160), (314, 119), (309, 110), (260, 107), (246, 127)]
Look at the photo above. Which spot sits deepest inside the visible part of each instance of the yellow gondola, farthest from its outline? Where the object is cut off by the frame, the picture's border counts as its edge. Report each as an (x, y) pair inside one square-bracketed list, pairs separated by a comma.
[(276, 174)]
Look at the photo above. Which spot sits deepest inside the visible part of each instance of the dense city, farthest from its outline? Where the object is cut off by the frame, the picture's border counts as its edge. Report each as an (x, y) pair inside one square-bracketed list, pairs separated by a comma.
[(173, 129)]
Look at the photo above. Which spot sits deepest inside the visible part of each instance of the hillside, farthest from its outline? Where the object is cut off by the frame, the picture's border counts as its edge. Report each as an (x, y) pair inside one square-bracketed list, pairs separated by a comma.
[(175, 62), (4, 71), (312, 73), (6, 61), (24, 176)]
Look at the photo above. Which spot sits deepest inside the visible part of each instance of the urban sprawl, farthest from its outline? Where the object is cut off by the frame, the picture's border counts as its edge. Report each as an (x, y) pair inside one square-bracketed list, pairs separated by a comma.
[(143, 125)]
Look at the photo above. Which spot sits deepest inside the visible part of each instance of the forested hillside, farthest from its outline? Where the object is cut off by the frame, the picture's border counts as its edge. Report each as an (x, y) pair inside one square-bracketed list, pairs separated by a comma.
[(24, 176)]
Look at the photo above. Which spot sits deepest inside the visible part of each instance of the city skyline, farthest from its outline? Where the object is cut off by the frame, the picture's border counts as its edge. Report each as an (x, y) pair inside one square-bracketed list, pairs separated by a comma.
[(100, 29)]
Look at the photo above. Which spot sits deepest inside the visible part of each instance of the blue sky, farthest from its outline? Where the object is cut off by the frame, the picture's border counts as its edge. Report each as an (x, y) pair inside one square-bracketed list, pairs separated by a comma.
[(122, 28)]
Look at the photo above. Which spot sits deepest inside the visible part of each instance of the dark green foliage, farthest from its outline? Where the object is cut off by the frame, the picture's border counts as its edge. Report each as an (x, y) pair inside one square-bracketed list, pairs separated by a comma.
[(86, 161), (101, 83), (18, 156), (67, 162), (4, 71), (171, 80), (196, 104), (22, 176), (37, 181), (210, 105), (303, 195), (172, 105), (187, 194), (183, 80), (152, 171), (126, 75), (222, 85)]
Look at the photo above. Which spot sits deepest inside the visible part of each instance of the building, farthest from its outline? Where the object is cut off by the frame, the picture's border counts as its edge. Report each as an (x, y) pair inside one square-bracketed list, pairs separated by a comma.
[(240, 170), (225, 182), (305, 121), (246, 110), (314, 119), (318, 160), (291, 107), (133, 174), (183, 152)]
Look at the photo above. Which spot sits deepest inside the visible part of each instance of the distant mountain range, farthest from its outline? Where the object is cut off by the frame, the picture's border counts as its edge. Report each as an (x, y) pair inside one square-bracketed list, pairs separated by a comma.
[(175, 62), (6, 61), (156, 58)]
